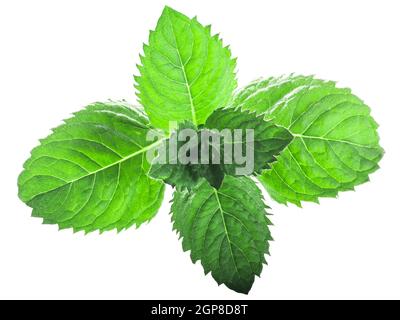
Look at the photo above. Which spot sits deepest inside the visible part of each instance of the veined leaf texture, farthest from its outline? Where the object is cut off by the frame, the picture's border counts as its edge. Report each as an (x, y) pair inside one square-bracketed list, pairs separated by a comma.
[(311, 139)]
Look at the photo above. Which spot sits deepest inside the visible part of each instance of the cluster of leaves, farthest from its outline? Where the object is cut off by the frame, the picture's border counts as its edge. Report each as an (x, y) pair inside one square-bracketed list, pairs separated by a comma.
[(311, 140)]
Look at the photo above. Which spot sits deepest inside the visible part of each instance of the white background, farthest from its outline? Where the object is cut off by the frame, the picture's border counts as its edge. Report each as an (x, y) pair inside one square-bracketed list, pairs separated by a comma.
[(58, 56)]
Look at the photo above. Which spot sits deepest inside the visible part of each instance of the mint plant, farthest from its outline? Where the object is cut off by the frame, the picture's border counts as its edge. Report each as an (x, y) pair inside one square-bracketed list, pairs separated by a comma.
[(309, 140)]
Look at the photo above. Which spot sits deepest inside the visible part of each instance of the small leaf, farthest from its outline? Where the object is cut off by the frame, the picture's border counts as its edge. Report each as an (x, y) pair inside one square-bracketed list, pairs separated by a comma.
[(268, 141), (91, 172), (185, 74), (265, 143), (335, 145), (169, 168), (226, 229)]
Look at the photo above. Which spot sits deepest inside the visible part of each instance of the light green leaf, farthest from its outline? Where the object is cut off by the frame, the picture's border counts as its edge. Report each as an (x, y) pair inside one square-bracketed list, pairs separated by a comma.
[(226, 229), (269, 140), (91, 172), (335, 145), (185, 74)]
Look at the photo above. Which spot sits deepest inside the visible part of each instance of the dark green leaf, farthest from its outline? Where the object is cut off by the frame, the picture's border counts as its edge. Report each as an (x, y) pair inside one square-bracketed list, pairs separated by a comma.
[(226, 229)]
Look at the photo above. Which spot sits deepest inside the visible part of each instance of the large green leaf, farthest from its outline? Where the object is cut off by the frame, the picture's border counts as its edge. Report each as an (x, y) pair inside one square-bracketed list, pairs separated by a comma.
[(335, 145), (227, 229), (91, 172), (185, 74), (267, 143)]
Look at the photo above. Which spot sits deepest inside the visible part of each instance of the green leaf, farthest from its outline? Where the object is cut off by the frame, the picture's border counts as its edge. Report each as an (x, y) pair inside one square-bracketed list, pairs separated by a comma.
[(226, 229), (177, 174), (91, 172), (269, 140), (186, 73), (335, 145)]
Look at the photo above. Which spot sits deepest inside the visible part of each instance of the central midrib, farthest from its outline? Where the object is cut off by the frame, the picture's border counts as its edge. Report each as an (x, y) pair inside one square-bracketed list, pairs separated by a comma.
[(296, 135), (144, 149), (226, 230), (193, 111)]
